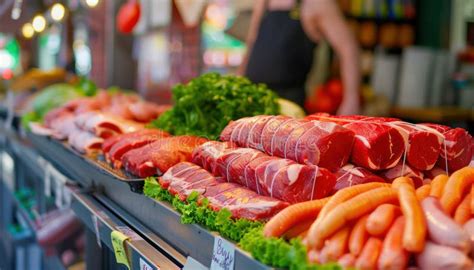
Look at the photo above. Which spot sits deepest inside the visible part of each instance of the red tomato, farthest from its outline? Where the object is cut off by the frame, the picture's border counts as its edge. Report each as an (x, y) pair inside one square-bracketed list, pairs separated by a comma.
[(325, 103), (128, 16), (335, 90)]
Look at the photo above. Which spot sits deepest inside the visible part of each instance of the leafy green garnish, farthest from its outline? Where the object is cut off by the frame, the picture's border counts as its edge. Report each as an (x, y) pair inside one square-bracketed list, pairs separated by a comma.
[(276, 252), (198, 212), (28, 118), (205, 105), (87, 87)]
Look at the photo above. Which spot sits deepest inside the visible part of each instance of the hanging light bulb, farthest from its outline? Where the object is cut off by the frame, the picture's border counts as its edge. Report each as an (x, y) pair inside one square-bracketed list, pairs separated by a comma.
[(27, 30), (57, 12), (39, 23), (92, 3)]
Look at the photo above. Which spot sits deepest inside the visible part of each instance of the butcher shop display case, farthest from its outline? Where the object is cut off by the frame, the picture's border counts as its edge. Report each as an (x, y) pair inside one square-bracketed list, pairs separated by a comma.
[(158, 187)]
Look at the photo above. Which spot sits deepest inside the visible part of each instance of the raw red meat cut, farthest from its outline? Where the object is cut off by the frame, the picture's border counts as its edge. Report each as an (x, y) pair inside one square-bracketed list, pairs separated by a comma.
[(231, 164), (377, 146), (157, 157), (350, 175), (457, 150), (129, 141), (206, 154), (403, 170), (276, 177), (184, 178), (422, 143), (308, 142)]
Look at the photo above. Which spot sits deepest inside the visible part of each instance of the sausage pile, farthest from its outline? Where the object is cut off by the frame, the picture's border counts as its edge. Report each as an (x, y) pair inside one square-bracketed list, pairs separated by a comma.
[(388, 226)]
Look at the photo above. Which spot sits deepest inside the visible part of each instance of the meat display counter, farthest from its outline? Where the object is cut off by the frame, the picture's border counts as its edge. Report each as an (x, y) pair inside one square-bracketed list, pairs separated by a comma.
[(156, 237)]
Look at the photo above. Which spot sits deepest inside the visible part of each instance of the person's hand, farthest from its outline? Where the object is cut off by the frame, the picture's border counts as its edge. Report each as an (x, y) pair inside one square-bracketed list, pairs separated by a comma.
[(349, 106)]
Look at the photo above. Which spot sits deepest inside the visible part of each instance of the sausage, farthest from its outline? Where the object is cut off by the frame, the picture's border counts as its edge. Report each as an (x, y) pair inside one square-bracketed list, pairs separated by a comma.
[(442, 229), (347, 261), (393, 256), (469, 228), (436, 257)]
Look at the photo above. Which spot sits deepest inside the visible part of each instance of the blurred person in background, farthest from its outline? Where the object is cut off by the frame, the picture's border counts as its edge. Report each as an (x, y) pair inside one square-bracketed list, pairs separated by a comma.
[(281, 41)]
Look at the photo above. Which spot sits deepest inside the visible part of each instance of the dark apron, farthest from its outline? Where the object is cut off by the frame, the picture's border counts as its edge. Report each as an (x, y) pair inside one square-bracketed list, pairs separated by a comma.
[(282, 55)]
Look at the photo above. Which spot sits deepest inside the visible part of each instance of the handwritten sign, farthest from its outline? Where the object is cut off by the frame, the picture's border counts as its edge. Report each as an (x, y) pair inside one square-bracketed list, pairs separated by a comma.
[(222, 255), (145, 266), (118, 242)]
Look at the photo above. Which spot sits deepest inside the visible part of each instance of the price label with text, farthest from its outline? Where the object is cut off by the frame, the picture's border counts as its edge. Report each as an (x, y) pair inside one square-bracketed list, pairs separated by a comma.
[(118, 243), (223, 254)]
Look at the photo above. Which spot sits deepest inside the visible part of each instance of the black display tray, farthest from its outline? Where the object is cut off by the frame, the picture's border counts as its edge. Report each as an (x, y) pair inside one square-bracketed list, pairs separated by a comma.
[(60, 154), (188, 239)]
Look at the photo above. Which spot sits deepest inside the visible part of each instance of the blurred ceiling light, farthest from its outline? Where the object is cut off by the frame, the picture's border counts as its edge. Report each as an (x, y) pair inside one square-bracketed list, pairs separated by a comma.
[(39, 23), (16, 10), (92, 3), (57, 12), (27, 30)]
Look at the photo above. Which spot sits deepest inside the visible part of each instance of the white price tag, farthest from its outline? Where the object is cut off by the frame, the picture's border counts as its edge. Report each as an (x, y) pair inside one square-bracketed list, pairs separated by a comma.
[(95, 221), (145, 266), (222, 255)]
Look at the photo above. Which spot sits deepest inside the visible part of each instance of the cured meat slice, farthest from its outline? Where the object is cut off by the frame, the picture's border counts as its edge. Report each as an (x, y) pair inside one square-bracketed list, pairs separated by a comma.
[(207, 154), (146, 111), (308, 142), (351, 175), (276, 177), (185, 178), (105, 125), (63, 126), (403, 170), (377, 146), (129, 141), (457, 150), (159, 156), (84, 141)]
